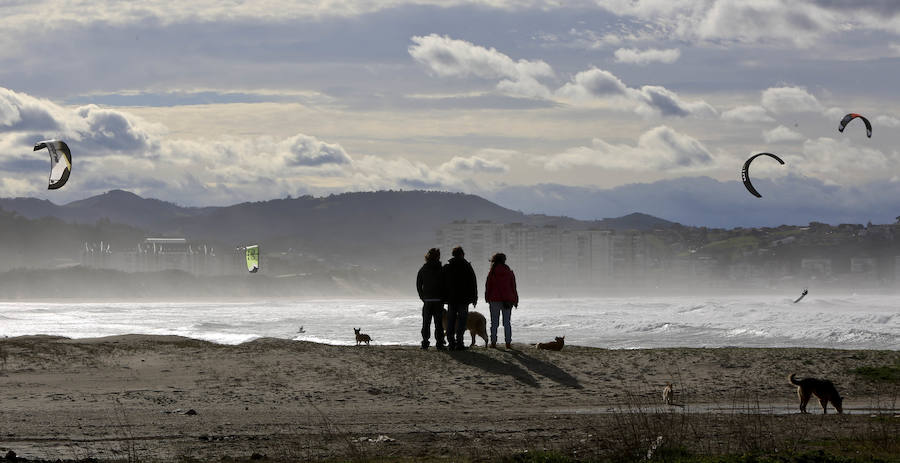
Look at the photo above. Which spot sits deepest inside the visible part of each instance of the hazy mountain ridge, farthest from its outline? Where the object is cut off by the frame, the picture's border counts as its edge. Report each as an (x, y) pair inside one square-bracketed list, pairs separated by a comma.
[(382, 217), (706, 202)]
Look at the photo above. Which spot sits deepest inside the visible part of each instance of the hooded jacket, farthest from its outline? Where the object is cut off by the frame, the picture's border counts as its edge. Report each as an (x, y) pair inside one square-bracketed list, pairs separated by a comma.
[(428, 281), (500, 285), (458, 282)]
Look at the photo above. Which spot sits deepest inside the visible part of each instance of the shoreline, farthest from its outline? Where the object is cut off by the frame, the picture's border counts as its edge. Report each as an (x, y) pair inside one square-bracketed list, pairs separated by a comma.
[(350, 343)]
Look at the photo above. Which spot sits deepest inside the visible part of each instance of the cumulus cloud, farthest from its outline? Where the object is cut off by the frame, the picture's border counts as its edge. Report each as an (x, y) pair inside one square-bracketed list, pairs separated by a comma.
[(776, 23), (115, 149), (449, 57), (656, 149), (781, 134), (748, 113), (473, 165), (842, 162), (598, 84), (304, 150), (593, 83), (780, 100), (25, 119), (651, 55)]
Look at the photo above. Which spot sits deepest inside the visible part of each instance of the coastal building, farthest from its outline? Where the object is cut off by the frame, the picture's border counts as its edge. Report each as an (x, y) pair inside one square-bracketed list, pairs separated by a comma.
[(155, 254), (550, 256)]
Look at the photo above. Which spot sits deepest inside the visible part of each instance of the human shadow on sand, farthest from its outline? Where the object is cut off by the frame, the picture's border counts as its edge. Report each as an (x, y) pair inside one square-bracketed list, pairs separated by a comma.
[(547, 370), (494, 366)]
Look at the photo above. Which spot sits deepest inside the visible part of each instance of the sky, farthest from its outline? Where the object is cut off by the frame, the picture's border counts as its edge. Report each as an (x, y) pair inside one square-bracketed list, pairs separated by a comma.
[(589, 109)]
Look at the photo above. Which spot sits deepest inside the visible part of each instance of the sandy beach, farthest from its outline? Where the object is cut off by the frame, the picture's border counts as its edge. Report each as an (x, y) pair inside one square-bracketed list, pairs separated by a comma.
[(156, 398)]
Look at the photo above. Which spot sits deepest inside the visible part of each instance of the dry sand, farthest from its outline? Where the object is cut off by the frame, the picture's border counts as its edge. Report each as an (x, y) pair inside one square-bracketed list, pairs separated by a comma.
[(129, 397)]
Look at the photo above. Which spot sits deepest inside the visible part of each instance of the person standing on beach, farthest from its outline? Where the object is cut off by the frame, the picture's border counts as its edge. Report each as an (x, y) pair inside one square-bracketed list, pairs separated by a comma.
[(501, 295), (460, 290), (428, 284)]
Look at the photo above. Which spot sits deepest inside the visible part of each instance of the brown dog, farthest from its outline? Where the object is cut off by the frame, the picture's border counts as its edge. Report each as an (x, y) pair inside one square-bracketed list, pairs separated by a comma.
[(475, 323), (361, 337), (552, 345), (823, 389), (669, 394)]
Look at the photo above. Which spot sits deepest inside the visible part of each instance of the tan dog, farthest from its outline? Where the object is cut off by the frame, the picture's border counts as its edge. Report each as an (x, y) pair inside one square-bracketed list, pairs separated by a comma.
[(361, 337), (669, 394), (821, 388), (475, 323), (552, 345)]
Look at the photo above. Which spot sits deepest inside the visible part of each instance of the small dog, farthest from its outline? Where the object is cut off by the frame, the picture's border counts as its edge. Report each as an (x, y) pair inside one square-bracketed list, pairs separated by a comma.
[(475, 323), (361, 337), (821, 388), (552, 345), (669, 394)]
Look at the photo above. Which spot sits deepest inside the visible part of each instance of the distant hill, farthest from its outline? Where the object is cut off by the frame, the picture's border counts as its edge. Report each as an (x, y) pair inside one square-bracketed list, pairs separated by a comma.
[(118, 206), (375, 217), (376, 229)]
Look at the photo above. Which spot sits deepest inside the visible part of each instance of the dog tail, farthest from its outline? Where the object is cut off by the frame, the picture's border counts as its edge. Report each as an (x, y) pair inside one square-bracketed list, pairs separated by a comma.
[(792, 380)]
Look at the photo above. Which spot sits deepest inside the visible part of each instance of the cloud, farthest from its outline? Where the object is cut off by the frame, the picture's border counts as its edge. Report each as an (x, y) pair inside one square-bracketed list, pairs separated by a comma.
[(651, 55), (115, 149), (598, 84), (781, 134), (304, 150), (887, 121), (780, 100), (473, 165), (593, 83), (772, 23), (112, 130), (23, 112), (447, 57), (657, 149), (748, 113), (657, 99), (841, 161), (25, 119)]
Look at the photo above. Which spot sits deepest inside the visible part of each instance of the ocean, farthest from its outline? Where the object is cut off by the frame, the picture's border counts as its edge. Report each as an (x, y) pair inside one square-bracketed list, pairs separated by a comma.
[(852, 322)]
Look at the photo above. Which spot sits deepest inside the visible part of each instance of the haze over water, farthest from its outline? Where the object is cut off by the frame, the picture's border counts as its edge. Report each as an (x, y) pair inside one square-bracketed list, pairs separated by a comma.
[(852, 322)]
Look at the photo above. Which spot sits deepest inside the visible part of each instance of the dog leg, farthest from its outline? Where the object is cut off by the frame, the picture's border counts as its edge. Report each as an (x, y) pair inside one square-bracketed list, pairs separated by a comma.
[(824, 404), (804, 398)]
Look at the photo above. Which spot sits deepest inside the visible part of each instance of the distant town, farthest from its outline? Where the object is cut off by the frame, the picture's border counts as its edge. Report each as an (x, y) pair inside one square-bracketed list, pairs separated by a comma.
[(865, 256), (551, 257)]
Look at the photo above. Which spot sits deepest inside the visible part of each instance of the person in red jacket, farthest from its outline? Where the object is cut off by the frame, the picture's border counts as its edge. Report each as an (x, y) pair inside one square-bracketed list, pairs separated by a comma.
[(501, 295)]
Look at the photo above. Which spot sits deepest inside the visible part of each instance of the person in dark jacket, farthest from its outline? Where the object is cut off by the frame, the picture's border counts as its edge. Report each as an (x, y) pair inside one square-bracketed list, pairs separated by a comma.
[(501, 295), (428, 284), (460, 289)]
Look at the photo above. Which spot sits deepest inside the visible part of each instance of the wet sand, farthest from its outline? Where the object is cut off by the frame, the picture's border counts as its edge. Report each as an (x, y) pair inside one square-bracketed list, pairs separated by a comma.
[(161, 398)]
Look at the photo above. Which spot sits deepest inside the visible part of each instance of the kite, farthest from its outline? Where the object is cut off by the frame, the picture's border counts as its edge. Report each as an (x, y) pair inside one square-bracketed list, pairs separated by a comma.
[(60, 161), (745, 172)]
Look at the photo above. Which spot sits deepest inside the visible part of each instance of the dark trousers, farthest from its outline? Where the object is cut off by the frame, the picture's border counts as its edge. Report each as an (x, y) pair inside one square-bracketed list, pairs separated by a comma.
[(433, 310), (456, 323)]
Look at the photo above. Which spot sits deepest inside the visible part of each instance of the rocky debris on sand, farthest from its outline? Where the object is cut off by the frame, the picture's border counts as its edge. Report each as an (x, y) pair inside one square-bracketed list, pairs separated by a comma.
[(375, 440)]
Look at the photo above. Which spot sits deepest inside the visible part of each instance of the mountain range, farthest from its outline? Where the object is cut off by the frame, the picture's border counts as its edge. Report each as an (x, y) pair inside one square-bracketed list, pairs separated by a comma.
[(370, 219)]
